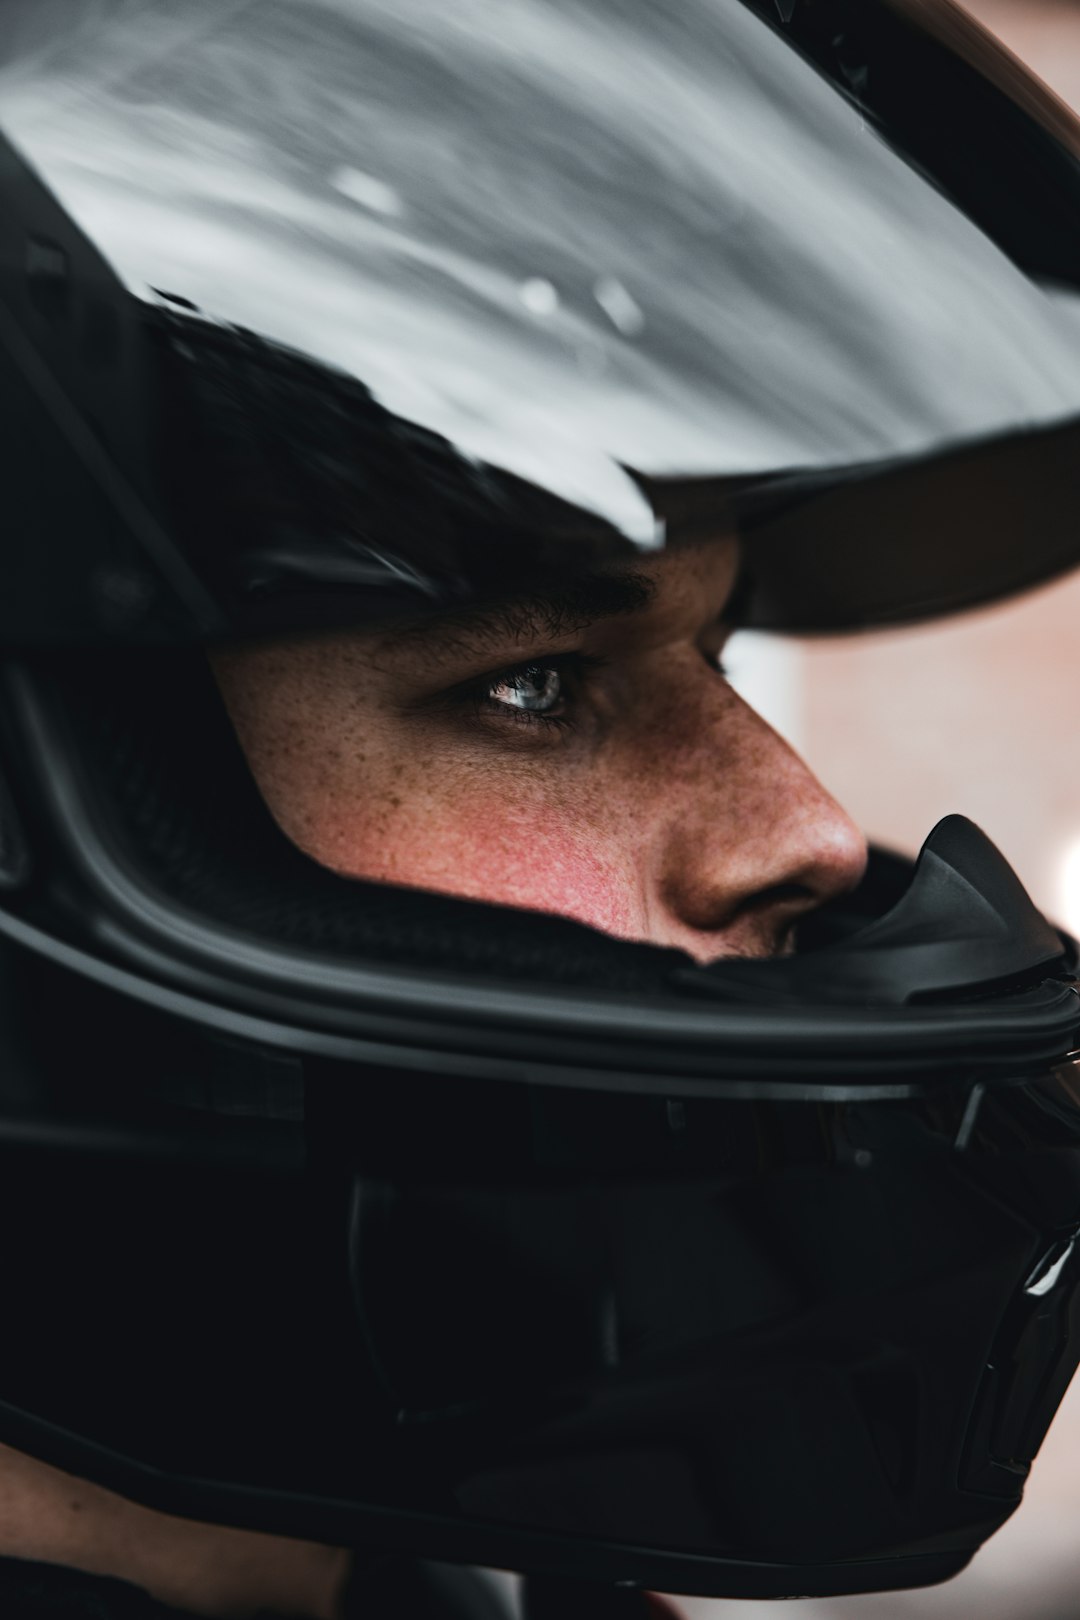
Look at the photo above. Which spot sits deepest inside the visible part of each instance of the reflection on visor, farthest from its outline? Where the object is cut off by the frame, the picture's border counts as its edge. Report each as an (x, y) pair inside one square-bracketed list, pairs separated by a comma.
[(569, 261)]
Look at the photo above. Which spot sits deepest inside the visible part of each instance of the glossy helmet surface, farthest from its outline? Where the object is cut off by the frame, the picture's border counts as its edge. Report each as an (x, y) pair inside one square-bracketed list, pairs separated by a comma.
[(393, 1218)]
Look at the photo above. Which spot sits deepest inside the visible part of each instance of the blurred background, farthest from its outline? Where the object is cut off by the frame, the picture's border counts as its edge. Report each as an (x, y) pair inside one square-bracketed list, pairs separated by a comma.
[(975, 715)]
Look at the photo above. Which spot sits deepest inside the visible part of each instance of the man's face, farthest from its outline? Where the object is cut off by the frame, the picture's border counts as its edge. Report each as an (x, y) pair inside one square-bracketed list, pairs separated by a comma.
[(579, 753)]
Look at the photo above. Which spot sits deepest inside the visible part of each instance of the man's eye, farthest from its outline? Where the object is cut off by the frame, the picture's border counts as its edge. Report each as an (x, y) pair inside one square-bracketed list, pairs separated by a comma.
[(533, 688)]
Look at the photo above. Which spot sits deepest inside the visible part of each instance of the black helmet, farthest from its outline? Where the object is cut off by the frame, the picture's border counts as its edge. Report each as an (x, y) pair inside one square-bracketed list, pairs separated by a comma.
[(394, 1218)]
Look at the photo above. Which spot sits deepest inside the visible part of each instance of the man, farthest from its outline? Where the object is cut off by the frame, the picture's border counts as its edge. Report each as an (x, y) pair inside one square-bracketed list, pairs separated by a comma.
[(463, 1100)]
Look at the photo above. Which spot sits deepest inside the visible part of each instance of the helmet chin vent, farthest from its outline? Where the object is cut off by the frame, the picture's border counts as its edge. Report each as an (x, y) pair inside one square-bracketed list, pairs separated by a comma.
[(965, 925)]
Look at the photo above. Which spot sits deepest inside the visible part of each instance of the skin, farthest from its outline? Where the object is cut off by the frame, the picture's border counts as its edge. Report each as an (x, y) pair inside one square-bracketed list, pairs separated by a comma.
[(647, 800), (650, 801), (202, 1569)]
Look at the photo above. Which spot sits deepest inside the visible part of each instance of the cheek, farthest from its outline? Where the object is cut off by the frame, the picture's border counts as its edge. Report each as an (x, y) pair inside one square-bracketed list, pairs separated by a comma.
[(486, 835), (370, 797)]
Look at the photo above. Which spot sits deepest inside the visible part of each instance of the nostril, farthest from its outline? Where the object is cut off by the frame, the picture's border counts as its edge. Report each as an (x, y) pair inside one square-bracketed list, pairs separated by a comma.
[(777, 895), (770, 917)]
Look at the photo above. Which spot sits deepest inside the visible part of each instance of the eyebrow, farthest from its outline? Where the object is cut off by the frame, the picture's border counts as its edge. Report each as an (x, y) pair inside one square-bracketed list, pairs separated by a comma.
[(544, 612)]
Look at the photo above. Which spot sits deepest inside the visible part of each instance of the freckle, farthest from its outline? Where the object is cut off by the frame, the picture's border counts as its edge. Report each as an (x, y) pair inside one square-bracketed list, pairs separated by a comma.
[(395, 801)]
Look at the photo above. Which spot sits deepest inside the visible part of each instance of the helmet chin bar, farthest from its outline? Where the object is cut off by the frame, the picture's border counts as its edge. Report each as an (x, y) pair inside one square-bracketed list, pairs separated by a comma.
[(745, 1349), (736, 1347)]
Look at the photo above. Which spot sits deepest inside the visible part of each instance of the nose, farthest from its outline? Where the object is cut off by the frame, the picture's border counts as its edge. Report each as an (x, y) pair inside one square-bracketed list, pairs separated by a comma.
[(750, 841)]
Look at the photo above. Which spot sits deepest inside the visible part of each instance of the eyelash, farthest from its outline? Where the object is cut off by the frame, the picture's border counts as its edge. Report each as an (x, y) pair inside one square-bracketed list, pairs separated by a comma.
[(577, 666), (573, 666)]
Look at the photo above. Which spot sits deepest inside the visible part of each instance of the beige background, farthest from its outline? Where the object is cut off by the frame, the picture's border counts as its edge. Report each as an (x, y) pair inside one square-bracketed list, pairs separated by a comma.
[(980, 716), (972, 715)]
